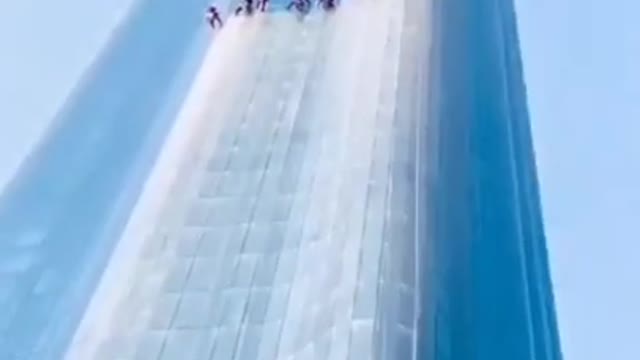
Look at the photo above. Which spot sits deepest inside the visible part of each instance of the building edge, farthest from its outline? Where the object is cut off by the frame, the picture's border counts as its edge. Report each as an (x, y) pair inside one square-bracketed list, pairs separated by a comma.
[(486, 289)]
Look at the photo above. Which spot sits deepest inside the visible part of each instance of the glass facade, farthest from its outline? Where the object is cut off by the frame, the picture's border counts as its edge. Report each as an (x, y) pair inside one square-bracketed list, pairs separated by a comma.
[(488, 292), (355, 185)]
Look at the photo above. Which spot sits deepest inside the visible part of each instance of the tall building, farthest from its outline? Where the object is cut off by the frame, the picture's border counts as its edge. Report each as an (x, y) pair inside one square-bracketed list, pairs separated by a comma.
[(488, 291), (358, 184)]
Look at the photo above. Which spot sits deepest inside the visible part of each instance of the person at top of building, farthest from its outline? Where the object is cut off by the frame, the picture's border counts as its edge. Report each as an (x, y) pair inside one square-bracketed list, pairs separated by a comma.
[(328, 4), (247, 8), (264, 5), (301, 6), (213, 16)]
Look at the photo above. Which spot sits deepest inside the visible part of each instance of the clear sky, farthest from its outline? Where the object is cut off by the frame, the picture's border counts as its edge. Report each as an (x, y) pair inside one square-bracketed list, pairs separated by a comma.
[(44, 49), (582, 65)]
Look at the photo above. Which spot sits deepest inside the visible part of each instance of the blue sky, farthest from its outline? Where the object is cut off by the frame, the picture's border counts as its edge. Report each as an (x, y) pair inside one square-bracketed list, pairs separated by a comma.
[(44, 49), (582, 62)]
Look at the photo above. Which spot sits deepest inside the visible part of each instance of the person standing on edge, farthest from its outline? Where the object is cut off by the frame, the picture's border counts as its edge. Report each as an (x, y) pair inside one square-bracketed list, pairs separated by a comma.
[(213, 16), (247, 8), (328, 4), (263, 5), (301, 5)]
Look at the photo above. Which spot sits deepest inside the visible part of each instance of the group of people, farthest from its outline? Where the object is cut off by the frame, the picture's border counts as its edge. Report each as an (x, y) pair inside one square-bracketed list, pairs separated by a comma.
[(304, 6), (249, 6)]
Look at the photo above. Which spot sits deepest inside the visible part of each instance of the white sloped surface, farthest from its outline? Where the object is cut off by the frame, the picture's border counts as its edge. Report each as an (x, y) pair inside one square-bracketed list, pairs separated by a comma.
[(176, 156), (279, 220)]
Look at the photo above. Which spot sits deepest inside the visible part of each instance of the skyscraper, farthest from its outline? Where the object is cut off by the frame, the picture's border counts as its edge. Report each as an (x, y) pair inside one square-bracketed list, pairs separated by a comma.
[(487, 292), (348, 185)]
